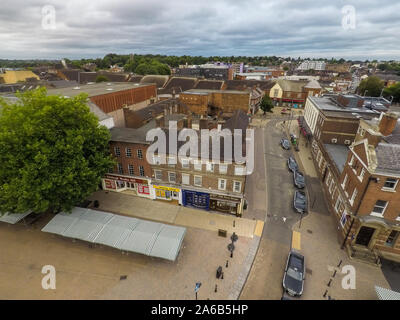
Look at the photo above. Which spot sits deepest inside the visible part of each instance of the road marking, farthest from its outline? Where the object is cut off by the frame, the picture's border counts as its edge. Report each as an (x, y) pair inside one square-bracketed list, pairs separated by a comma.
[(296, 240), (259, 228)]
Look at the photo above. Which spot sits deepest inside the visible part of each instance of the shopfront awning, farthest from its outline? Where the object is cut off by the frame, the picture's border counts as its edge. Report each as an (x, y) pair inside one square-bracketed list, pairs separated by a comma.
[(120, 232), (13, 218)]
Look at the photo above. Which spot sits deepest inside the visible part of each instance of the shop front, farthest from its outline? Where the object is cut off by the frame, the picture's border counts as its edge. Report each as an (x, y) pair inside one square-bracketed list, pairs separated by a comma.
[(195, 199), (117, 183), (226, 204), (167, 193)]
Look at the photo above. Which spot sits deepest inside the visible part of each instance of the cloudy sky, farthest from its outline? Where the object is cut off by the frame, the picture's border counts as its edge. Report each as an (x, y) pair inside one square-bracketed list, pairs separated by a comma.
[(93, 28)]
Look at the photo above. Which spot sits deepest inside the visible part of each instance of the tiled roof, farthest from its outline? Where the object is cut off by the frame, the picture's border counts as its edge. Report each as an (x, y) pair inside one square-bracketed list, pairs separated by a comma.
[(245, 84), (179, 84), (292, 85), (388, 156), (209, 84), (159, 80)]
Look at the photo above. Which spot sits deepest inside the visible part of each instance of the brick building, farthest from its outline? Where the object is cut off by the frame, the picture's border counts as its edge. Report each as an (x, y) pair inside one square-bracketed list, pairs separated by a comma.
[(200, 183), (211, 102), (361, 187)]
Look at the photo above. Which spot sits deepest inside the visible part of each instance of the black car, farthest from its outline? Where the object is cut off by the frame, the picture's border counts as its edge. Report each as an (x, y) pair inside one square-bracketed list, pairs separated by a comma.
[(299, 180), (285, 144), (292, 164), (293, 279), (300, 201)]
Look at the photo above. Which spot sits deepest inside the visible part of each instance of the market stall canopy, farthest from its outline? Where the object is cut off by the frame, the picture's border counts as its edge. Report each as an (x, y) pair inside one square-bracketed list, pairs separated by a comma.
[(13, 218), (386, 294), (120, 232)]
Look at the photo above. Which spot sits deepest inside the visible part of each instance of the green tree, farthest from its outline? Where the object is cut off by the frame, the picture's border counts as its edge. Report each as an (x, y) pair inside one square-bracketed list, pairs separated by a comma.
[(53, 152), (393, 91), (266, 104), (371, 86), (101, 78)]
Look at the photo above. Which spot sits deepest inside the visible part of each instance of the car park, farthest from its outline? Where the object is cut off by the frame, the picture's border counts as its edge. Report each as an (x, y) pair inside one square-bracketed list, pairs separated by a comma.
[(298, 179), (285, 144), (294, 276), (292, 164), (300, 201)]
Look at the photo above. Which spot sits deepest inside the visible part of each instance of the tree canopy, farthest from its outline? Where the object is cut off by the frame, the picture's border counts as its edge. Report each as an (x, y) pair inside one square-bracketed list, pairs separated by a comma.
[(53, 152), (266, 104), (371, 86), (393, 91)]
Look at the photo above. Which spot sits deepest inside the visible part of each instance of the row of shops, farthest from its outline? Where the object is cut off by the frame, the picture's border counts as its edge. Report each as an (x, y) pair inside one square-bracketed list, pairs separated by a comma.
[(188, 197)]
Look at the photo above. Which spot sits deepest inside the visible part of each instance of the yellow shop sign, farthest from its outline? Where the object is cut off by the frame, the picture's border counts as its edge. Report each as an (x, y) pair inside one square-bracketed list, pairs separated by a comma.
[(166, 188)]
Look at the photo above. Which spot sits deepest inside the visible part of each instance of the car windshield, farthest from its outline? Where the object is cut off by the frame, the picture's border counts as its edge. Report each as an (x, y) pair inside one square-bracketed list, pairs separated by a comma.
[(299, 177), (300, 196), (294, 273)]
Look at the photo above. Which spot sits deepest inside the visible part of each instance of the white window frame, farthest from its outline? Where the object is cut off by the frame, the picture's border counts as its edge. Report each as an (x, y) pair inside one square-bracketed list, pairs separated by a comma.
[(353, 196), (219, 184), (377, 214), (198, 166), (174, 176), (239, 170), (344, 181), (234, 186), (351, 160), (185, 163), (210, 167), (141, 171), (171, 161), (117, 151), (390, 189), (362, 173), (155, 175), (128, 154), (201, 181), (156, 160), (139, 153), (131, 172), (223, 171), (184, 177), (120, 168)]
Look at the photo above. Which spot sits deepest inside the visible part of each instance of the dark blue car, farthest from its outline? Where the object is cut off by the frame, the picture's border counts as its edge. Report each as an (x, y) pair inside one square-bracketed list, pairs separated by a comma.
[(293, 279)]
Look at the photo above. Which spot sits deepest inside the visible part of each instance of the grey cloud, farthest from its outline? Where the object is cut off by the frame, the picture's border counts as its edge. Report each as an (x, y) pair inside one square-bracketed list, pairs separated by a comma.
[(218, 27)]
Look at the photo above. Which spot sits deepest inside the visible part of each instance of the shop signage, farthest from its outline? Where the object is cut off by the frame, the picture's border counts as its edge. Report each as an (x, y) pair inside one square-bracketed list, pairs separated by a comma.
[(126, 179), (166, 188)]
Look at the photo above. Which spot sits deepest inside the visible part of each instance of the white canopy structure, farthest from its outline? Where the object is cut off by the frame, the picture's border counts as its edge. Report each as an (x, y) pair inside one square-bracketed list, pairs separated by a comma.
[(13, 218), (124, 233)]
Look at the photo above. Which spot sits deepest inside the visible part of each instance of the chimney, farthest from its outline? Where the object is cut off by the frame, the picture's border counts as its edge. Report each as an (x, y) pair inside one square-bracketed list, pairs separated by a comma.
[(387, 123)]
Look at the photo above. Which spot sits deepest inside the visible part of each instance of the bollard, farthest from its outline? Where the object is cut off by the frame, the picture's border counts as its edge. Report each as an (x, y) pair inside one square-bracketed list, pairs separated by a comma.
[(231, 254), (215, 288), (334, 274), (222, 276), (339, 263), (226, 266), (329, 283), (233, 223), (325, 293)]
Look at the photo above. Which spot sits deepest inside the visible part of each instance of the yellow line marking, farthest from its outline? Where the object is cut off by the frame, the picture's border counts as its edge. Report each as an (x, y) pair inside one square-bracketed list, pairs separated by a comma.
[(296, 240), (259, 228)]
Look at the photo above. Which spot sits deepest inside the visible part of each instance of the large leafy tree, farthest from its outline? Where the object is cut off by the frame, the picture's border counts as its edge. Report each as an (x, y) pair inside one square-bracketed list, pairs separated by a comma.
[(53, 152), (266, 104), (393, 91), (371, 86)]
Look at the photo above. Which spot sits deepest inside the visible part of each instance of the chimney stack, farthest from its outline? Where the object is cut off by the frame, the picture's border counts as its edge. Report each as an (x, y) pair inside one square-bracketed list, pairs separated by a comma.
[(387, 123)]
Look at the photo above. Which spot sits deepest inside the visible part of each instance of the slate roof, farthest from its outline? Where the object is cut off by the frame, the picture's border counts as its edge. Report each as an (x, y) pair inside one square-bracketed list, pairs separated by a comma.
[(245, 84), (179, 84), (388, 156), (159, 80), (209, 84), (338, 153)]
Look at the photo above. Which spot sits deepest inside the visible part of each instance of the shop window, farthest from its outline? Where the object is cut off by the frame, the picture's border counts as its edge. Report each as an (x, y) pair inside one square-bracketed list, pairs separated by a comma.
[(391, 240), (130, 170)]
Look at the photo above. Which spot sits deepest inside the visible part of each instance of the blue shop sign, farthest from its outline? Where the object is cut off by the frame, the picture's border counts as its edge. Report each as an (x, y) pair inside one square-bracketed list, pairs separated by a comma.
[(196, 199)]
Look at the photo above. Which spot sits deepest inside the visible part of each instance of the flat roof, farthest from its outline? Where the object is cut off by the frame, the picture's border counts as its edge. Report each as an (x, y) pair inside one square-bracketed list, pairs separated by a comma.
[(338, 154), (13, 218), (205, 91), (95, 89)]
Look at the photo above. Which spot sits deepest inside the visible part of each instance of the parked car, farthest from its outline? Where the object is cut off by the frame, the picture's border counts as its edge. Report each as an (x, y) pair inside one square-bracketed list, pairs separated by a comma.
[(292, 164), (300, 201), (285, 144), (293, 279), (299, 180)]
